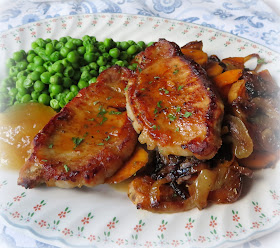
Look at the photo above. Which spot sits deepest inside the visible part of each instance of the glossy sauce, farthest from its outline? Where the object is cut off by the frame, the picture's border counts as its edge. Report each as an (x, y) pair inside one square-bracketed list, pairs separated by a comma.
[(122, 186), (18, 126)]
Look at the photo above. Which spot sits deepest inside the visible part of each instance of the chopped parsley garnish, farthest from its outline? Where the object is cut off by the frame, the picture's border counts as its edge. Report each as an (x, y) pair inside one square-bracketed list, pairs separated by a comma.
[(77, 141), (175, 72), (50, 146), (178, 109), (157, 77), (155, 111), (114, 113), (165, 90), (180, 87), (150, 82), (100, 144), (108, 98), (66, 168), (177, 129), (103, 120), (143, 88), (92, 119), (125, 89), (139, 69), (94, 103), (102, 111), (154, 127), (44, 160), (159, 104), (107, 138), (187, 114), (172, 117)]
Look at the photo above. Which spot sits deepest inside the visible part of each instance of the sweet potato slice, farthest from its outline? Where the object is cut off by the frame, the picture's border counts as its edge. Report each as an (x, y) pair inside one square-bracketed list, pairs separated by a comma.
[(227, 77), (138, 160)]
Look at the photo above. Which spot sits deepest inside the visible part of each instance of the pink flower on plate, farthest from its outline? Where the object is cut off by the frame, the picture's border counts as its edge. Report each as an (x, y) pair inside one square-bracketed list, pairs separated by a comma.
[(238, 40), (17, 198), (140, 23), (150, 19), (175, 243), (254, 46), (17, 38), (229, 234), (4, 36), (162, 228), (228, 43), (255, 225), (70, 17), (85, 220), (16, 215), (138, 228), (91, 238), (38, 24), (120, 16), (120, 241), (111, 225), (189, 225), (242, 48), (148, 244), (94, 22), (62, 214), (110, 22), (213, 223), (276, 212), (21, 29), (37, 207), (126, 22), (275, 196), (66, 231), (42, 223), (80, 23), (257, 209), (54, 20), (235, 218), (201, 239), (213, 38)]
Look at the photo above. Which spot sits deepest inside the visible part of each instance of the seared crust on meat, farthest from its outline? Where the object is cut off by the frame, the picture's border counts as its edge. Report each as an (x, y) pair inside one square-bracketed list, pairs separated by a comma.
[(87, 141), (172, 103)]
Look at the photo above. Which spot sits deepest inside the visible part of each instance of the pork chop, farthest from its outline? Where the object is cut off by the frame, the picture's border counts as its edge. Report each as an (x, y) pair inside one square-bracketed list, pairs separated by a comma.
[(87, 141), (172, 103)]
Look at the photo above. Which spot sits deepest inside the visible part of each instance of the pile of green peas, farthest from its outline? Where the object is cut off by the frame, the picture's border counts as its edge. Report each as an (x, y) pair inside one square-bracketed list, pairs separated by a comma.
[(53, 71)]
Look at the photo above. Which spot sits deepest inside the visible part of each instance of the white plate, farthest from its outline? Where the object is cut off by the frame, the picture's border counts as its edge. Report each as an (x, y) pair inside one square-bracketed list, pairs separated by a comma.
[(102, 217)]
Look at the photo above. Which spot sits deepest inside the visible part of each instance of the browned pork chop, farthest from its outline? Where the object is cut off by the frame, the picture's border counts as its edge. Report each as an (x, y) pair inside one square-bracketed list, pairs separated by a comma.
[(87, 141), (173, 104)]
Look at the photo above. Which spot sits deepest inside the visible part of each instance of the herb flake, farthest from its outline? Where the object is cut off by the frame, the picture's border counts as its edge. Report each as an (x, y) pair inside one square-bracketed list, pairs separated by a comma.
[(172, 117), (187, 114), (50, 146), (175, 72), (114, 112), (66, 168)]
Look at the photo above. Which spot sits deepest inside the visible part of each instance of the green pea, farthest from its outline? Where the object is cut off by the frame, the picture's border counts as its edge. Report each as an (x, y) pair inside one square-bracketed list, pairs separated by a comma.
[(55, 79), (44, 99), (58, 66), (40, 42), (34, 76), (93, 65), (69, 96), (39, 86), (120, 63), (28, 83), (64, 51), (55, 88), (49, 49), (38, 61), (63, 39), (67, 82), (40, 69), (150, 43), (69, 71), (59, 45), (18, 56), (90, 57), (101, 61), (26, 98), (13, 92), (31, 67), (35, 95), (13, 71), (74, 88), (30, 57), (141, 44), (10, 62), (94, 73), (124, 45), (108, 43), (54, 104), (70, 45), (132, 50), (55, 56), (34, 45), (78, 42), (85, 76), (102, 68), (81, 50), (22, 65), (114, 52), (131, 42), (82, 84), (45, 77), (22, 91), (92, 80), (73, 56)]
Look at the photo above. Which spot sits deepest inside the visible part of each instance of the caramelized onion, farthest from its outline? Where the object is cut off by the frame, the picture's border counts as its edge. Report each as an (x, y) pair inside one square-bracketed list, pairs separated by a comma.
[(242, 142), (201, 187)]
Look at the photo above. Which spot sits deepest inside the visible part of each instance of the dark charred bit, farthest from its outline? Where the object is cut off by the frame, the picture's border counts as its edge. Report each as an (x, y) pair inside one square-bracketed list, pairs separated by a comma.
[(64, 115)]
